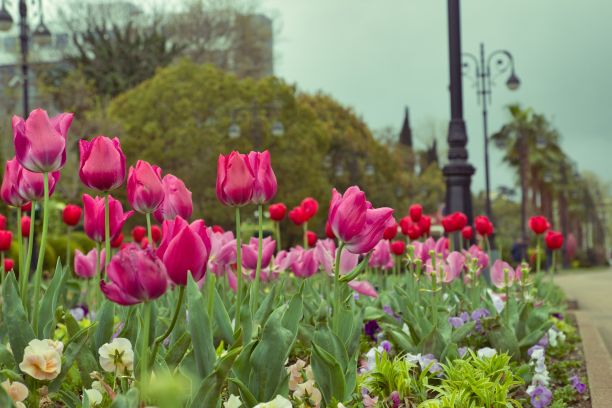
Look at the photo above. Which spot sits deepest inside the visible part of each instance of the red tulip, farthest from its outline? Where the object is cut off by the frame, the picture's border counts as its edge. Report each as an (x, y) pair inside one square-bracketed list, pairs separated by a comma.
[(218, 229), (310, 207), (156, 233), (93, 222), (27, 206), (355, 222), (138, 233), (184, 248), (311, 237), (460, 220), (31, 185), (144, 242), (390, 232), (2, 222), (235, 180), (264, 188), (6, 238), (85, 264), (483, 226), (102, 165), (410, 228), (425, 224), (71, 215), (8, 264), (117, 241), (10, 187), (135, 275), (538, 224), (398, 247), (277, 211), (40, 142), (145, 191), (329, 233), (554, 240), (177, 200), (467, 233), (416, 212), (297, 216), (25, 226)]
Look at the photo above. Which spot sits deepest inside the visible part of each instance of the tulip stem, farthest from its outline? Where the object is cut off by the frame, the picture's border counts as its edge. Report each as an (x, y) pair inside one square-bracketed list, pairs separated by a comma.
[(159, 340), (41, 252), (337, 295), (553, 266), (107, 237), (22, 276), (305, 234), (278, 236), (144, 346), (255, 287), (507, 288), (238, 269), (98, 276), (538, 255), (28, 262), (2, 268), (149, 234), (68, 245)]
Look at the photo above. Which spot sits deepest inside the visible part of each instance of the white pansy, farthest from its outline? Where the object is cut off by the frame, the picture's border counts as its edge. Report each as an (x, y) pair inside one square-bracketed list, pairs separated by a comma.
[(233, 402), (486, 352), (117, 356), (278, 402), (94, 396)]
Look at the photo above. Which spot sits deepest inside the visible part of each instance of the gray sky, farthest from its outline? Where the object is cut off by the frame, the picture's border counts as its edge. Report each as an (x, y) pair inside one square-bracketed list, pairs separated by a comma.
[(379, 55)]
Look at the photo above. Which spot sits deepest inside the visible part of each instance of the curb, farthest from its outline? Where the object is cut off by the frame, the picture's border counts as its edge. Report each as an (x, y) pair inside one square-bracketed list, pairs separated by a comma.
[(598, 362)]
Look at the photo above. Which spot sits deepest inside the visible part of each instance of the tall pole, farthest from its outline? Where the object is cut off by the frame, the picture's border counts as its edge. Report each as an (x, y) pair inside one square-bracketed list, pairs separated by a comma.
[(23, 38), (458, 172), (484, 75), (523, 180)]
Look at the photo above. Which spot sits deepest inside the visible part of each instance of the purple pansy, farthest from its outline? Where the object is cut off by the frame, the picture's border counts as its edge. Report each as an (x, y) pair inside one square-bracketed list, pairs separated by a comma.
[(541, 397)]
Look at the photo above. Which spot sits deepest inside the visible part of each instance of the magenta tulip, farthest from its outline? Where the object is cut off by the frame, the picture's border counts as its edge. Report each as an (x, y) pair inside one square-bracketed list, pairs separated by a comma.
[(40, 142), (249, 253), (85, 265), (102, 164), (363, 288), (355, 222), (184, 248), (31, 186), (10, 188), (264, 188), (136, 275), (235, 180), (145, 191), (176, 202), (305, 262), (93, 222)]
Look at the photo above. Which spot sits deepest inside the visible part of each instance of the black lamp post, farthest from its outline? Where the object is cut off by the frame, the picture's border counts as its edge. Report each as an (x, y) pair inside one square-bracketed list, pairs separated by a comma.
[(269, 109), (483, 68), (41, 35), (458, 172)]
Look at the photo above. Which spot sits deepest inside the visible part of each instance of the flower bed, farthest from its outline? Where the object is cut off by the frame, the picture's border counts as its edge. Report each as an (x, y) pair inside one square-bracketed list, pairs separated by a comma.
[(195, 317)]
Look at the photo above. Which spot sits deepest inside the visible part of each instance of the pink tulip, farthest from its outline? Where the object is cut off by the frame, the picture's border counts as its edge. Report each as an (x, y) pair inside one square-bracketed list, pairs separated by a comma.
[(283, 261), (31, 186), (85, 265), (176, 202), (220, 258), (145, 191), (305, 263), (482, 258), (381, 256), (184, 248), (40, 142), (264, 188), (249, 253), (498, 274), (355, 222), (363, 288), (10, 187), (232, 280), (453, 266), (93, 222), (325, 255), (102, 164), (136, 275), (235, 180)]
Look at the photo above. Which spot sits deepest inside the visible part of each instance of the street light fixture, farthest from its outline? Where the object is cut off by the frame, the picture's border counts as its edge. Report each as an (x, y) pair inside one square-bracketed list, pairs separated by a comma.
[(277, 128), (6, 21), (483, 68)]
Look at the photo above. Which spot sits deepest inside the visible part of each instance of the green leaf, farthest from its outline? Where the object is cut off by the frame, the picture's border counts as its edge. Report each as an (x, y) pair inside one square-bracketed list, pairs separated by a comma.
[(129, 400), (355, 272), (222, 323), (86, 360), (5, 399), (177, 350), (462, 332), (70, 355), (105, 319), (19, 330), (328, 374), (248, 399), (6, 357), (503, 339), (200, 330), (47, 307)]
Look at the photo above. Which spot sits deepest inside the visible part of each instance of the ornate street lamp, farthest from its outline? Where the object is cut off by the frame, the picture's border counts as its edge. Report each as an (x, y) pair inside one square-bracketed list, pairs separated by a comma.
[(276, 130)]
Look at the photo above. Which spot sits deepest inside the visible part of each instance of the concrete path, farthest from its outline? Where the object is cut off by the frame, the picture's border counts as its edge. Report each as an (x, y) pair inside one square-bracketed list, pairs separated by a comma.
[(593, 291)]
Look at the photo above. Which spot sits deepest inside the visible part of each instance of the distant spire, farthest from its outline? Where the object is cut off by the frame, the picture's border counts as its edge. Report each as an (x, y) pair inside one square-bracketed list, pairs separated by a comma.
[(405, 136)]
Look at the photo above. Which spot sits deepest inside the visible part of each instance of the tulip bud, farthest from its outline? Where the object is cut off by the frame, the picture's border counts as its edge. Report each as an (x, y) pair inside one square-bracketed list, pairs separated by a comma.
[(8, 265), (138, 233), (218, 229), (145, 191), (156, 233), (483, 226), (177, 200), (117, 241), (398, 247), (310, 206), (235, 180), (554, 240), (71, 215), (416, 212), (40, 142), (277, 211), (425, 224), (93, 222), (2, 222), (85, 265), (102, 165), (135, 275), (31, 186), (311, 238), (329, 233), (297, 216), (264, 188), (467, 233), (25, 226), (27, 207), (538, 224), (10, 187), (390, 232), (6, 238)]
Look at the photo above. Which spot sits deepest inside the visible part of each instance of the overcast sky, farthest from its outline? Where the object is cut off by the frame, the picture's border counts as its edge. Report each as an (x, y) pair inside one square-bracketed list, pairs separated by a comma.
[(379, 55)]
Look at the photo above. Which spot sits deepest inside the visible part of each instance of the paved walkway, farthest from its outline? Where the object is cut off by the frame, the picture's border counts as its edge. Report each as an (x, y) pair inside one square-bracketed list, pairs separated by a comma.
[(593, 291)]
